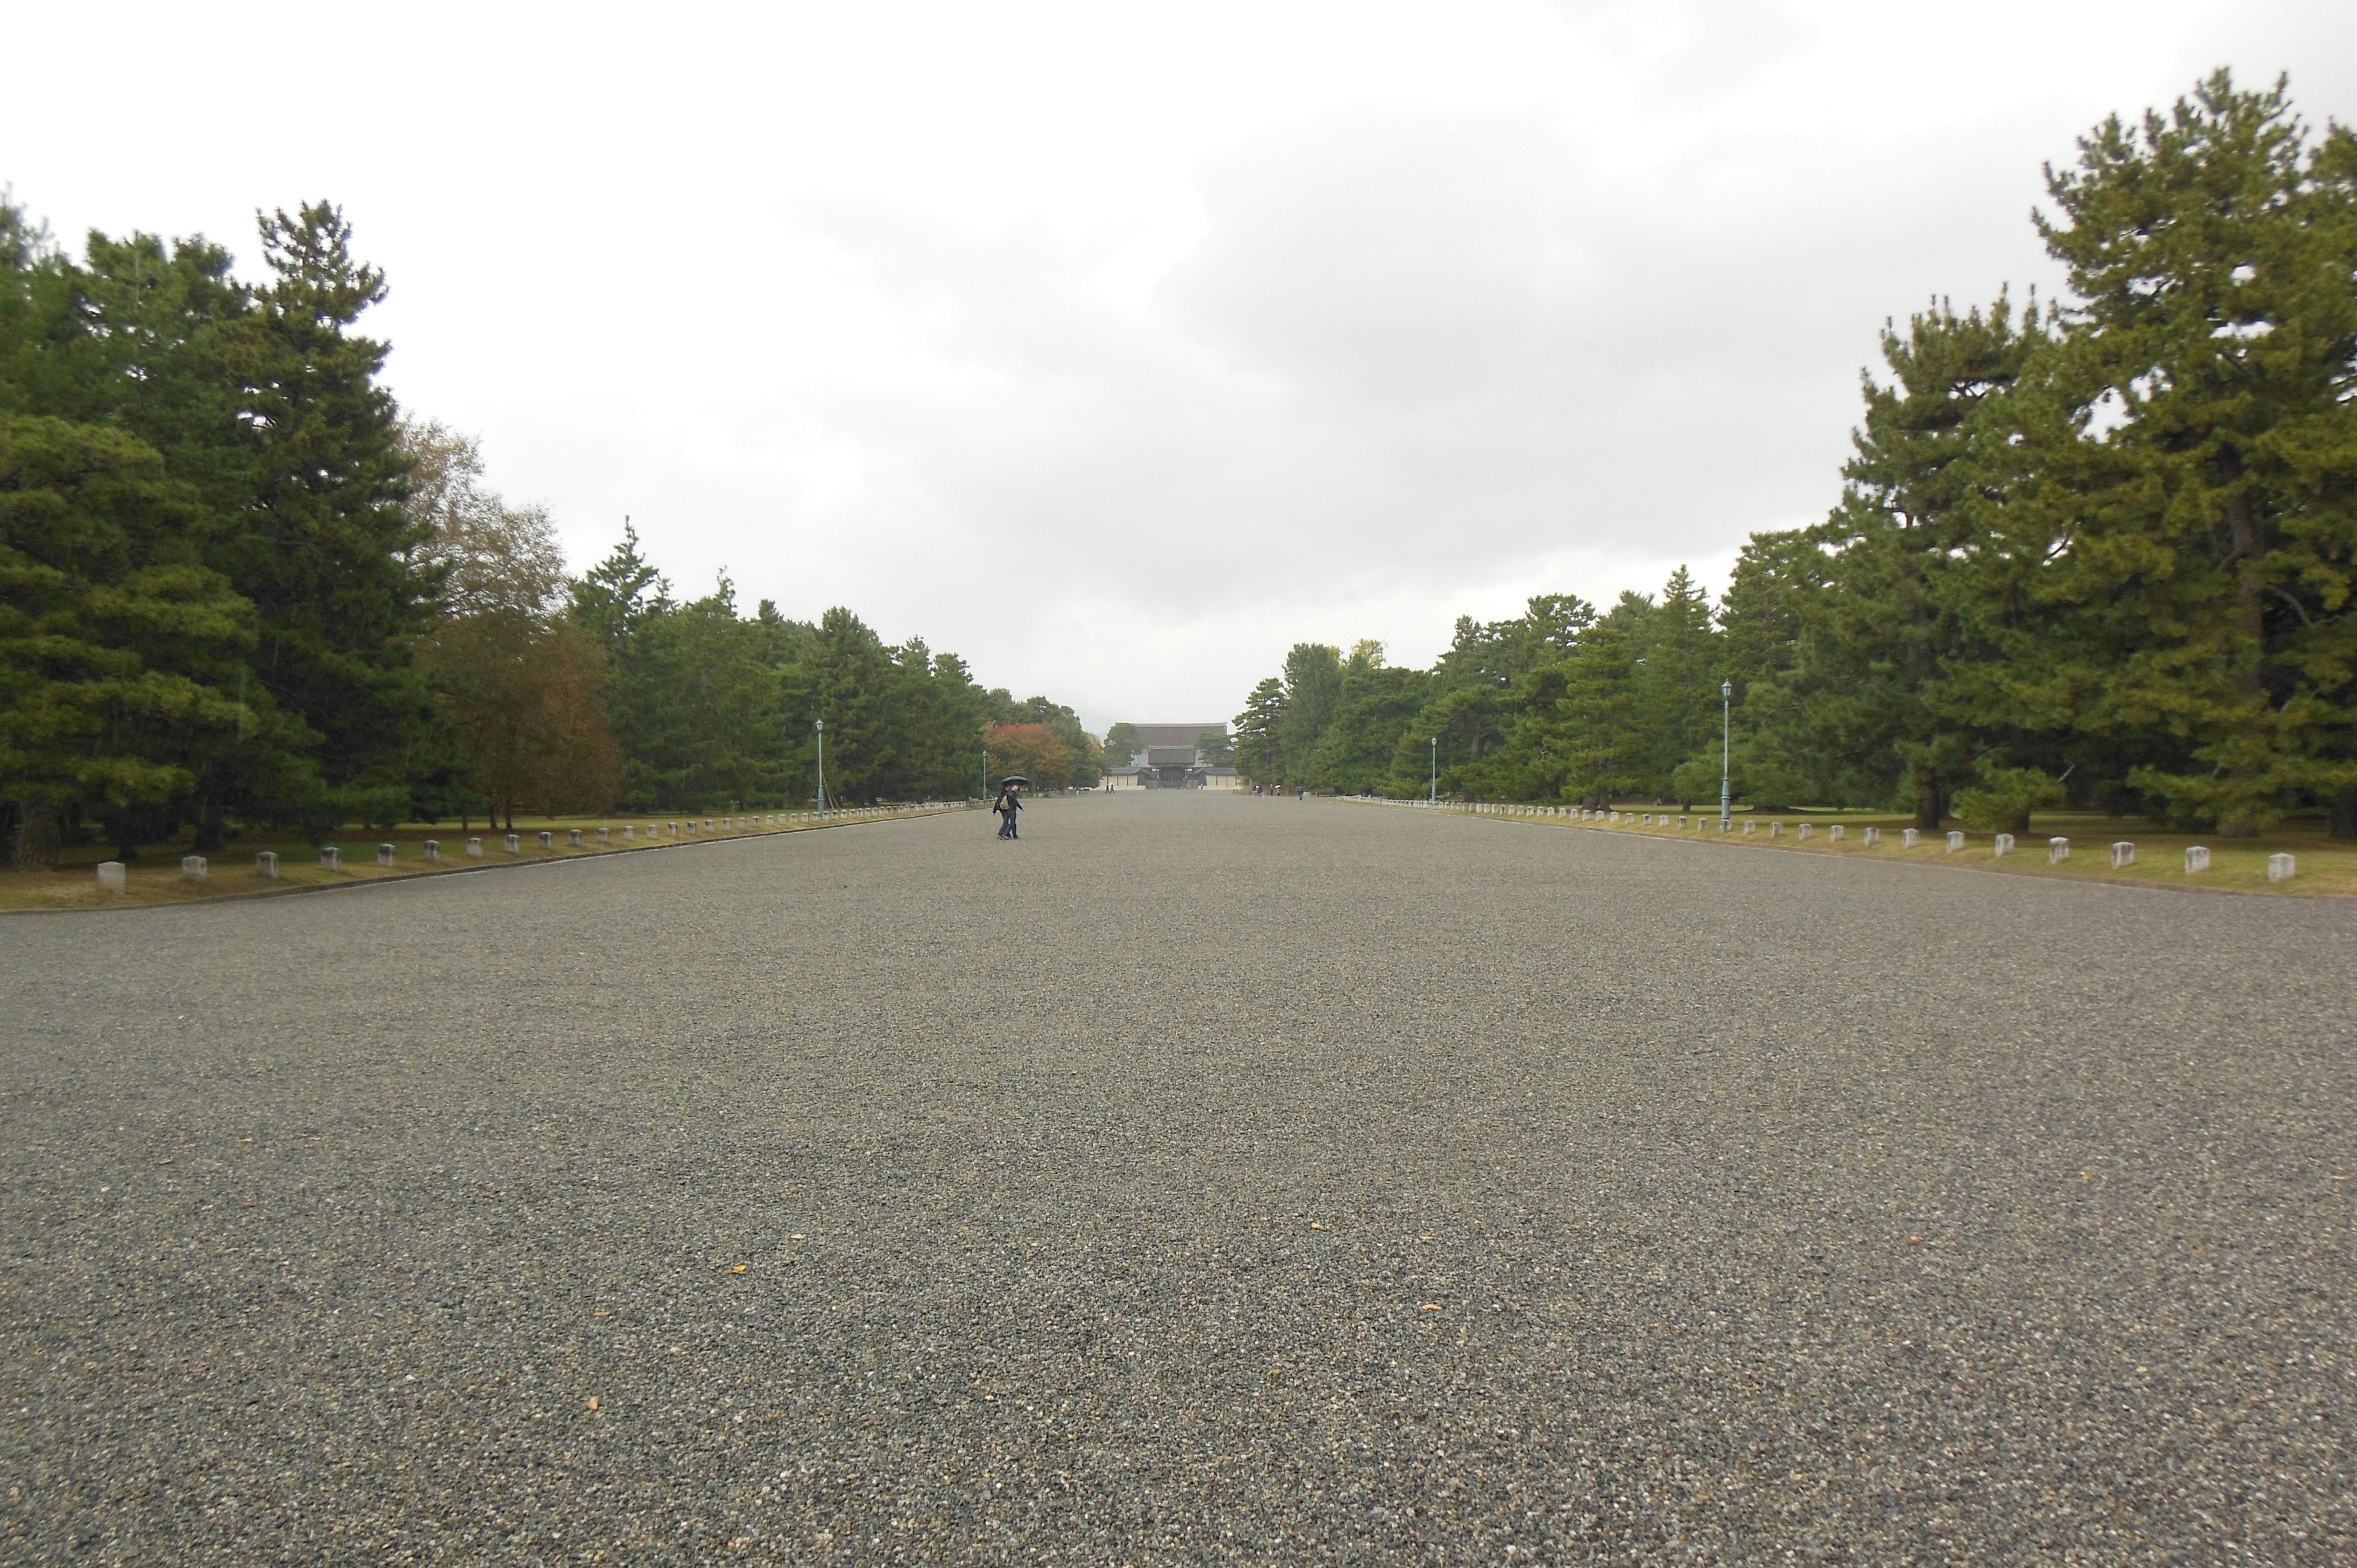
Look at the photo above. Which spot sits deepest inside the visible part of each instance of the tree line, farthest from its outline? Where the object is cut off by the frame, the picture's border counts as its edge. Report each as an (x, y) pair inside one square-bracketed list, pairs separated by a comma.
[(2096, 552), (238, 587)]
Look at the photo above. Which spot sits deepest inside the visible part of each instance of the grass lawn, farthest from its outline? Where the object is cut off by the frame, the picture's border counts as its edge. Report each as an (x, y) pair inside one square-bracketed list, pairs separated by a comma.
[(155, 877), (2327, 866)]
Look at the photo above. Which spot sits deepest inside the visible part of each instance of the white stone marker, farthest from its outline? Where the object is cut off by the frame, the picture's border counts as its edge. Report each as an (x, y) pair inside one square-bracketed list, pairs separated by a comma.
[(2122, 855), (110, 876), (266, 865), (630, 833), (1872, 837), (1805, 830), (2005, 844), (575, 837), (548, 840), (474, 849), (2197, 858), (514, 844), (1775, 830), (1750, 828), (1835, 833), (193, 868), (1955, 842), (2058, 850), (1910, 837), (671, 829), (708, 824), (433, 851), (605, 835), (384, 854), (2281, 867), (331, 858)]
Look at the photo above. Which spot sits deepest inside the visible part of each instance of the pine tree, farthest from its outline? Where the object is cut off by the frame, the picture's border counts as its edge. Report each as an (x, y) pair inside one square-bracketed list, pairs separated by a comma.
[(1313, 688), (118, 651), (2198, 502), (1260, 753)]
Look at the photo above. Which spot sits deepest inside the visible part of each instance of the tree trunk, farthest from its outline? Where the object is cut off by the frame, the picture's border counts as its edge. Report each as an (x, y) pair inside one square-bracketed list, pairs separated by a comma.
[(1930, 803), (2249, 545), (36, 836), (212, 828), (2342, 808)]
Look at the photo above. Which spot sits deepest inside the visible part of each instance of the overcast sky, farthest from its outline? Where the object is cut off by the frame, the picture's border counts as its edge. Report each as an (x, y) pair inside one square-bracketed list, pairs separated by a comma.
[(1119, 348)]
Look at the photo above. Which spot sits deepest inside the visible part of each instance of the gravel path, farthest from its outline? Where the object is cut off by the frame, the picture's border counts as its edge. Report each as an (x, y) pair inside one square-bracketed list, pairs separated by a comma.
[(1200, 1179)]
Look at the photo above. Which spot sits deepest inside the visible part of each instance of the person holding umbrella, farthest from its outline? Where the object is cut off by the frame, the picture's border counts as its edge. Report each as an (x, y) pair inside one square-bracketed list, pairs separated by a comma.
[(1010, 802)]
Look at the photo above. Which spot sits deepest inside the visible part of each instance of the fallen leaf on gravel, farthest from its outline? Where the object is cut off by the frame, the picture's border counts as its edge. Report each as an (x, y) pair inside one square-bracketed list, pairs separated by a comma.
[(601, 1314), (1914, 1241), (1313, 1224), (794, 1238), (1424, 1238), (593, 1402), (738, 1269), (1429, 1307)]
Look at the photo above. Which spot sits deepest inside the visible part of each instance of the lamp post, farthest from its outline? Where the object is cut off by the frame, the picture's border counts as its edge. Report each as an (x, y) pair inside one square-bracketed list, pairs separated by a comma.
[(1725, 750), (1432, 794), (821, 729)]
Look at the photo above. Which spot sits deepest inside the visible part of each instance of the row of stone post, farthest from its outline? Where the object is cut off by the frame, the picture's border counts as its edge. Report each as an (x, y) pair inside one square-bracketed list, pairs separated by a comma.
[(2282, 866)]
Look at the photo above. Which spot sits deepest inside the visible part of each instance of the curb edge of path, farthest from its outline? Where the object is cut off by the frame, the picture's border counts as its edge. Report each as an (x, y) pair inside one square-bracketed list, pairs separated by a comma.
[(520, 864)]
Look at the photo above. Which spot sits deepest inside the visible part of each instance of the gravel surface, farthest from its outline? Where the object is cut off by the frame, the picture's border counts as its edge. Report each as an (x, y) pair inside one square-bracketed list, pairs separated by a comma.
[(1199, 1179)]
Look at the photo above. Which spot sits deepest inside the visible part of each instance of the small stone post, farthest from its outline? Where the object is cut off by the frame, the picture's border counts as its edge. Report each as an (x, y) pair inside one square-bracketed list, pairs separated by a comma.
[(2281, 867), (605, 835), (384, 854), (514, 844), (2122, 855), (1872, 837), (1835, 833), (630, 834), (193, 868), (2058, 850), (474, 849), (2005, 844), (1955, 842), (266, 865), (1910, 837), (1750, 828), (575, 837), (331, 858), (433, 851), (111, 876), (1805, 829), (1775, 830), (2197, 858), (548, 840)]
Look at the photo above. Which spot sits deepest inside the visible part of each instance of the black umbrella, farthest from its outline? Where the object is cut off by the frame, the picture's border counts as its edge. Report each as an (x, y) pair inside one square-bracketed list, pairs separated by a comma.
[(1014, 779)]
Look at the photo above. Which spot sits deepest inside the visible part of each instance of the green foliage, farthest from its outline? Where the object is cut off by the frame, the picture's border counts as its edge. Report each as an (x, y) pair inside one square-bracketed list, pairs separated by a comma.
[(2004, 799), (1259, 753), (2202, 545), (2113, 543), (1313, 689), (235, 587), (120, 654)]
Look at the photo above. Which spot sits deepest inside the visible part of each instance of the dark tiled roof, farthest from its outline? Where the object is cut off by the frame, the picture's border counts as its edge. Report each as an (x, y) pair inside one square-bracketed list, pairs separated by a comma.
[(1175, 734)]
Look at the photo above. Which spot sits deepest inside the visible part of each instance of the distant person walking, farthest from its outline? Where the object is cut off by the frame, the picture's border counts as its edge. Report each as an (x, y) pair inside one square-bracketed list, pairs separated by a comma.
[(1010, 802)]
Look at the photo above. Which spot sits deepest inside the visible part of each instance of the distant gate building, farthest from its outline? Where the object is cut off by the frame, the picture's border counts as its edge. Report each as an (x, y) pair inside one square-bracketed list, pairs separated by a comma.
[(1167, 758)]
